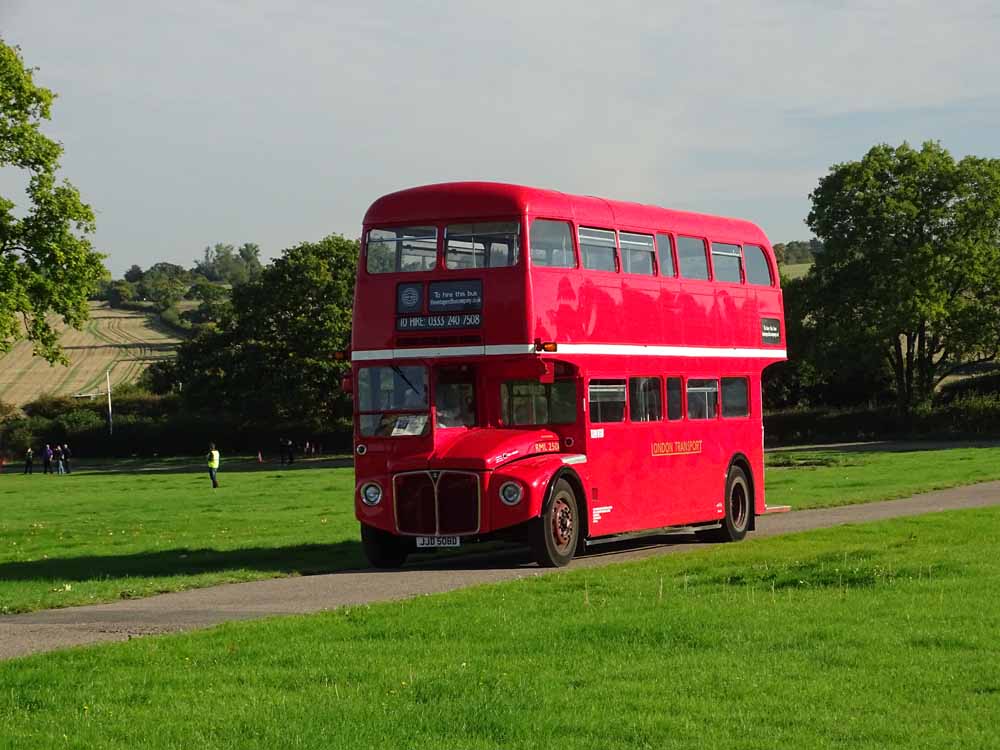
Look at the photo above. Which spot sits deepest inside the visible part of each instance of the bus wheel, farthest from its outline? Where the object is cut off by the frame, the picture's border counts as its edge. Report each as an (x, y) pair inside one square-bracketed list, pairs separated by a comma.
[(554, 535), (382, 549), (739, 509)]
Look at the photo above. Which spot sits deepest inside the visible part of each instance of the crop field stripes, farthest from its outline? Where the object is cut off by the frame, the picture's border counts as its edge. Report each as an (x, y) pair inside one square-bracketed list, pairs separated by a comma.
[(122, 341)]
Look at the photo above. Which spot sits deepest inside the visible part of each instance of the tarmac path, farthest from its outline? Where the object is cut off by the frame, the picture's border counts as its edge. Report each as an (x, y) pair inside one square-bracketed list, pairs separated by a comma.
[(53, 629)]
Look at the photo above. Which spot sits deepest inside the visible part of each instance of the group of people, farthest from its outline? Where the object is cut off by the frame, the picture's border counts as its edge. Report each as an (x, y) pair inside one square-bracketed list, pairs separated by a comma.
[(55, 460)]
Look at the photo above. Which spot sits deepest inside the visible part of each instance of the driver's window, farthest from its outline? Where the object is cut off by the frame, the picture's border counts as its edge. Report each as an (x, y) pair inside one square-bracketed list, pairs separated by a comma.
[(455, 398)]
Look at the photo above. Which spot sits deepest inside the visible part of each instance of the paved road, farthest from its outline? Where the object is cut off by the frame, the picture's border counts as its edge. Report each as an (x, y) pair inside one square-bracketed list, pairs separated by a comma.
[(200, 608)]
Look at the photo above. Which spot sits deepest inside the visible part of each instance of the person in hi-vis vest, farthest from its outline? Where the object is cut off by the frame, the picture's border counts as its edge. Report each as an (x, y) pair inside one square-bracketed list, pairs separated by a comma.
[(213, 465)]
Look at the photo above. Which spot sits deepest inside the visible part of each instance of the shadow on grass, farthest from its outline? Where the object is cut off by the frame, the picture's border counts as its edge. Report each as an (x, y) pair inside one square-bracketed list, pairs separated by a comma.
[(885, 446), (197, 466), (305, 559)]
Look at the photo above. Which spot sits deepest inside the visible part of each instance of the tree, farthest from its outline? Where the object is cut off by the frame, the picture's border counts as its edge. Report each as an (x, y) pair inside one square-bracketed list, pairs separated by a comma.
[(120, 291), (910, 267), (274, 358), (47, 264), (133, 274)]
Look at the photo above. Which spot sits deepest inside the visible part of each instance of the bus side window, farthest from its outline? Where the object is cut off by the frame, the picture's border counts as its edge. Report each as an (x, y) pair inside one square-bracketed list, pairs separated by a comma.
[(665, 255), (735, 397), (703, 399), (692, 259), (674, 406), (644, 401), (607, 400), (757, 268), (597, 248), (727, 263), (552, 244), (637, 253)]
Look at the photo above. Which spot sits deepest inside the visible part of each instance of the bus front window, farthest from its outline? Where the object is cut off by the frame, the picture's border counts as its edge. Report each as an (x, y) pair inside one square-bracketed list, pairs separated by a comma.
[(528, 402), (392, 401)]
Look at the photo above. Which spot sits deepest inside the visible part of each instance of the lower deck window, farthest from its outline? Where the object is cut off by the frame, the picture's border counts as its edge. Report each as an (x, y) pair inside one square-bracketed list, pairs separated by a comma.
[(735, 397), (675, 408), (703, 399), (644, 401), (528, 402), (607, 400)]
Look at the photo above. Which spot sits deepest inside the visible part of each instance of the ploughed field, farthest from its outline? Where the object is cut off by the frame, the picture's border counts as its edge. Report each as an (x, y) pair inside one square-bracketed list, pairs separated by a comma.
[(879, 635), (123, 341), (130, 530)]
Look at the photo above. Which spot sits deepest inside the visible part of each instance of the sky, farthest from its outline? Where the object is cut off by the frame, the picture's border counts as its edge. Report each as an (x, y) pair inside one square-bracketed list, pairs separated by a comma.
[(190, 123)]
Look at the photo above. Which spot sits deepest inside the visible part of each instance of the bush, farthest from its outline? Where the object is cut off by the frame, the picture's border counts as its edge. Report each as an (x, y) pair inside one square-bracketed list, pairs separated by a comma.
[(49, 406)]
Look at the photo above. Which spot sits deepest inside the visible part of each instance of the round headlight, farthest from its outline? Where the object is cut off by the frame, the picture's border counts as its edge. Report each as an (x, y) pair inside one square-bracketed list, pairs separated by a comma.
[(511, 493), (371, 494)]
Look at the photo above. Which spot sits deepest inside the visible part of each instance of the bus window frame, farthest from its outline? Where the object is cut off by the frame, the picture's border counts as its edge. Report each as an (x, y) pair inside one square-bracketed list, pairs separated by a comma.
[(768, 252), (718, 396), (738, 254), (671, 249), (574, 239), (617, 250), (706, 245), (438, 257), (443, 249), (621, 258), (663, 401)]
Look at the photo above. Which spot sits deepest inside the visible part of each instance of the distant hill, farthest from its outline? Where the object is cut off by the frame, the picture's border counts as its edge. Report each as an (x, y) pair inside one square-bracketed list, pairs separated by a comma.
[(124, 341)]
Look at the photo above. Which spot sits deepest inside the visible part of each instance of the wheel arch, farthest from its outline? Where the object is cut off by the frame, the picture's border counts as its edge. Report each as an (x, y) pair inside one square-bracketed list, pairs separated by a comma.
[(741, 460), (576, 483)]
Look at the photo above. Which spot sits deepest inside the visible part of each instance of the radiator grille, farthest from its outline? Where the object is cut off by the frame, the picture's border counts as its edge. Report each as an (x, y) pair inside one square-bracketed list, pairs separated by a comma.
[(437, 502)]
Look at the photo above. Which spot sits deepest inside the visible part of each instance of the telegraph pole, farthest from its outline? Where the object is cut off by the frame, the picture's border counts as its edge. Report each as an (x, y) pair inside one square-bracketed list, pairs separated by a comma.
[(111, 430)]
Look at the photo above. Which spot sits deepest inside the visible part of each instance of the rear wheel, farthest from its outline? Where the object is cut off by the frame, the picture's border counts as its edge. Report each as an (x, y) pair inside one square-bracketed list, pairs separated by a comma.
[(384, 550), (739, 509), (555, 534)]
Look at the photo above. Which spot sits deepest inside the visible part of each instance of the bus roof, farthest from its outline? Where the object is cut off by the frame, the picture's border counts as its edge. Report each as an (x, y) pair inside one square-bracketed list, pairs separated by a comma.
[(484, 200)]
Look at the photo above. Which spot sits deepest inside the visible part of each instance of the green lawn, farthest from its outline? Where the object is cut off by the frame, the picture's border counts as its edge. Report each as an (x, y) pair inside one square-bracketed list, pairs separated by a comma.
[(872, 636), (101, 536)]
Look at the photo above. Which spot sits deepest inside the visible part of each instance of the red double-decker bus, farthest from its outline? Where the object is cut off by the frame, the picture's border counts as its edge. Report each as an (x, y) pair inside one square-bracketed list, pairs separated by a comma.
[(557, 369)]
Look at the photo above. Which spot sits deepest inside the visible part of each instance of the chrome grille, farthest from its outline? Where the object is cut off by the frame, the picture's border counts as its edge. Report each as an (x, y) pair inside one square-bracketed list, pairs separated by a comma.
[(437, 502)]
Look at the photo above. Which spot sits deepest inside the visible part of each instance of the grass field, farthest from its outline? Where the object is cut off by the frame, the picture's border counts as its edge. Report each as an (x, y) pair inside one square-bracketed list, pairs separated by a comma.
[(873, 636), (123, 341), (101, 536), (796, 270)]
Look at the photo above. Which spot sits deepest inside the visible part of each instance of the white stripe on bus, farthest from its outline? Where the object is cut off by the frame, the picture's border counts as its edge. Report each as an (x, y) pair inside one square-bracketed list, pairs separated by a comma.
[(602, 349)]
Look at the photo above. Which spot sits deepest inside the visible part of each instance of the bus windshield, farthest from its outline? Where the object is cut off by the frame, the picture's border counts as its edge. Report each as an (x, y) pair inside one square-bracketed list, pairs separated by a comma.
[(392, 401), (527, 402)]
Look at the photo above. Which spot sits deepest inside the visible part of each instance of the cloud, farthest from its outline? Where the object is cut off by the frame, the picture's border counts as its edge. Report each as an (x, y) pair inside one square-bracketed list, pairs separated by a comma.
[(187, 124)]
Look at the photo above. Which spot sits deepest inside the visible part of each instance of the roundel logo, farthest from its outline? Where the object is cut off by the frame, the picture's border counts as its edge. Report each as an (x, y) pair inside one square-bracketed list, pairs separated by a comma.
[(410, 297)]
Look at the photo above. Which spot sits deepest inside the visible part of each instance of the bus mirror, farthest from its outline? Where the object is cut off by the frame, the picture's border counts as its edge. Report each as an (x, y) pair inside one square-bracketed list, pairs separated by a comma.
[(347, 384)]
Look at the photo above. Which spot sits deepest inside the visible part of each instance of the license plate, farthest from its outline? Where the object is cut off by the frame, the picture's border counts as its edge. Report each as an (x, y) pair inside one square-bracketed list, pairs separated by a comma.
[(423, 542)]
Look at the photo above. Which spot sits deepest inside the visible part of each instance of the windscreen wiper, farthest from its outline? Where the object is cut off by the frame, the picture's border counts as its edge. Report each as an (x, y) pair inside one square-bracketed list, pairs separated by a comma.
[(399, 372)]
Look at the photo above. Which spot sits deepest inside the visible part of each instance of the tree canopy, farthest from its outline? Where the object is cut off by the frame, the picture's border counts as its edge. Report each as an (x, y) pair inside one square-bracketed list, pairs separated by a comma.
[(47, 263), (910, 269), (272, 355)]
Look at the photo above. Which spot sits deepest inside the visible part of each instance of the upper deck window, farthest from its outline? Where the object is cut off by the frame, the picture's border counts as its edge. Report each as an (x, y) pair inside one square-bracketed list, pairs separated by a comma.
[(727, 262), (597, 248), (691, 257), (637, 253), (487, 245), (757, 267), (402, 249), (666, 255), (552, 244)]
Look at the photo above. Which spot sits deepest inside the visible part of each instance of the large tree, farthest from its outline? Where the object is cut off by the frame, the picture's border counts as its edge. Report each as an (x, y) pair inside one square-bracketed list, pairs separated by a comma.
[(47, 264), (910, 268), (273, 356)]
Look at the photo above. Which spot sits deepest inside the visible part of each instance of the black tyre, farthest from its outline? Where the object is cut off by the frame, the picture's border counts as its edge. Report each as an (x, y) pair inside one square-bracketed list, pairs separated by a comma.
[(382, 549), (739, 509), (555, 534)]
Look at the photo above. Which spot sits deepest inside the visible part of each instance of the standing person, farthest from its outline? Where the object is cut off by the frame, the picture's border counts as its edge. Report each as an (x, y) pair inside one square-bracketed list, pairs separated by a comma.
[(47, 459), (291, 453), (67, 455), (283, 450), (213, 465), (58, 455), (29, 461)]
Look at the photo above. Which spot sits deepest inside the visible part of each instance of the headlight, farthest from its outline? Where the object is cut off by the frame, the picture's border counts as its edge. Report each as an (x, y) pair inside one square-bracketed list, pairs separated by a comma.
[(371, 494), (511, 493)]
